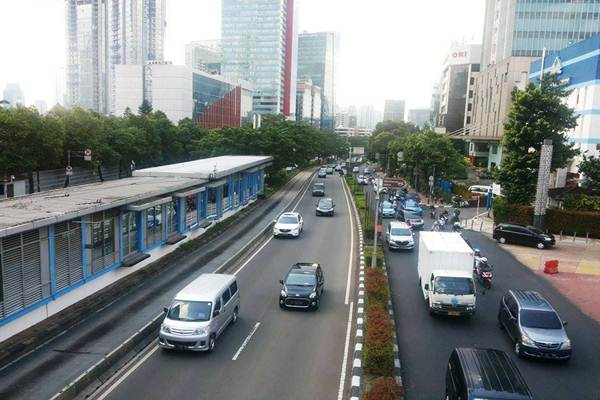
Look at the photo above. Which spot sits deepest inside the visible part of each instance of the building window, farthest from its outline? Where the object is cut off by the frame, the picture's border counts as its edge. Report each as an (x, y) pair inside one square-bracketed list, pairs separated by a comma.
[(468, 120), (191, 210), (68, 260), (130, 233), (470, 94), (171, 217), (103, 240), (212, 202), (469, 107), (226, 205), (154, 225), (494, 149)]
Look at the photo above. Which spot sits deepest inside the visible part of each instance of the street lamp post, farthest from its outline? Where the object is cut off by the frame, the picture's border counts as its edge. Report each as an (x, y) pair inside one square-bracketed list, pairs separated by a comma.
[(374, 256)]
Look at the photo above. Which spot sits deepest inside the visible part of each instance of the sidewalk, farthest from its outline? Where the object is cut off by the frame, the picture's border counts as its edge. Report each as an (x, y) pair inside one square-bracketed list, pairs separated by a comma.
[(578, 264)]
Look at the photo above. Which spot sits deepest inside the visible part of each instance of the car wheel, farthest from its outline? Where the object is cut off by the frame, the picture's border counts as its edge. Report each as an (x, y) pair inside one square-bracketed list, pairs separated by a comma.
[(541, 246), (318, 303), (234, 317), (518, 351), (211, 342), (502, 240)]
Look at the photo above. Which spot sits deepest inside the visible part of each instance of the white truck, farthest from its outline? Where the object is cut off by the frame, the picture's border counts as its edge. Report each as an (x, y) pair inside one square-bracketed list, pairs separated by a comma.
[(445, 267)]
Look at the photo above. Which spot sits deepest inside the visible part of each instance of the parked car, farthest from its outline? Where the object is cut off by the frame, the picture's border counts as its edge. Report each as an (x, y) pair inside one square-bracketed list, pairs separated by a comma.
[(479, 190), (387, 210), (200, 312), (318, 189), (523, 234), (484, 374), (355, 170), (322, 173), (338, 168), (411, 206), (416, 222), (533, 325), (399, 236), (329, 170), (325, 206), (302, 286), (366, 171), (361, 180), (288, 224)]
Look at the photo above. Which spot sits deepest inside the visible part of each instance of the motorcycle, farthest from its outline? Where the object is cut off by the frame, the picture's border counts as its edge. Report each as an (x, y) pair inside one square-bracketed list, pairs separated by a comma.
[(459, 202), (483, 271), (456, 227)]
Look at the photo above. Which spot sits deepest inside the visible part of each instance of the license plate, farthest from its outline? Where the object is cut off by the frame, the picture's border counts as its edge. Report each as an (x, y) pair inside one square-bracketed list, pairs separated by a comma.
[(454, 313)]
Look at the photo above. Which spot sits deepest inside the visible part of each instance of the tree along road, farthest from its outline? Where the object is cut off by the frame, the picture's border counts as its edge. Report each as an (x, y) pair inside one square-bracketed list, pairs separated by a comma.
[(291, 354), (425, 341)]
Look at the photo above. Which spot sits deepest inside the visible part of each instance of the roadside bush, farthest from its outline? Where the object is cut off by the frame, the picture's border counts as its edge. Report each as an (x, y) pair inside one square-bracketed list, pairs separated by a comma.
[(369, 255), (511, 213), (569, 221), (581, 202), (378, 291), (460, 189), (378, 348), (384, 389)]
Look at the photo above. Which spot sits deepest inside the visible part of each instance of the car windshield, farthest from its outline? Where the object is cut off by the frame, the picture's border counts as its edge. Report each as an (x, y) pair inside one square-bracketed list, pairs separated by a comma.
[(387, 204), (410, 203), (451, 285), (540, 319), (535, 230), (325, 203), (300, 280), (319, 186), (401, 232), (288, 219), (190, 310)]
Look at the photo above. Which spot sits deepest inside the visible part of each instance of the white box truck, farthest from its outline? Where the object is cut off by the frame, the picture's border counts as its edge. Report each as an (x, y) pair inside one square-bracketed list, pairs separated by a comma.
[(445, 267)]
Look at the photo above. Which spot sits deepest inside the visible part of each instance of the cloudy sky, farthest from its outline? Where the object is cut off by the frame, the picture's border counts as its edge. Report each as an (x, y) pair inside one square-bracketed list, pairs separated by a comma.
[(390, 48)]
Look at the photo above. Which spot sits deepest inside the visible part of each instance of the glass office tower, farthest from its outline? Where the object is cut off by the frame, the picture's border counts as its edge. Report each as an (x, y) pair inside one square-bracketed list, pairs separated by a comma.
[(260, 45), (522, 28), (317, 58)]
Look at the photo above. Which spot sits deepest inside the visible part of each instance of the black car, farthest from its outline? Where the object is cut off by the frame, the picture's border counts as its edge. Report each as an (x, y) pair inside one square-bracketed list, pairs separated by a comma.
[(523, 234), (302, 286), (318, 189), (533, 326), (325, 206), (474, 373), (416, 222)]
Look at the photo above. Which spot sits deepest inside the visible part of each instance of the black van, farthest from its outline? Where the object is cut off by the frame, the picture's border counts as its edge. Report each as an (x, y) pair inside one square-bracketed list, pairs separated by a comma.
[(484, 374)]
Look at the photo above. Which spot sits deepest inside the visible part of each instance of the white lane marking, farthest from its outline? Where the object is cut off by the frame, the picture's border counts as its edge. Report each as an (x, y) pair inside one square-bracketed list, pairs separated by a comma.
[(345, 360), (271, 238), (252, 332), (351, 255), (126, 374)]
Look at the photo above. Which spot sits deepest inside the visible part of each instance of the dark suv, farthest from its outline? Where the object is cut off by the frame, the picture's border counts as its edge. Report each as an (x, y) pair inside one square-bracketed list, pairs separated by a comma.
[(533, 325), (318, 189), (302, 286), (523, 234), (325, 206)]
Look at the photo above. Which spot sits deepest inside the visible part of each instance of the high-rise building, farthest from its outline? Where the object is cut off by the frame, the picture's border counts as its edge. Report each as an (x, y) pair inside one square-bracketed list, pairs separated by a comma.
[(519, 28), (456, 87), (102, 34), (318, 54), (181, 92), (394, 110), (434, 103), (515, 33), (308, 102), (368, 116), (420, 117), (204, 55), (41, 106), (260, 45), (14, 94)]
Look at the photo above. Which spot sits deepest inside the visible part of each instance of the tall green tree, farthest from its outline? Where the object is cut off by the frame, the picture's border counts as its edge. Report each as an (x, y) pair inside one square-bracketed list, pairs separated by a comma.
[(536, 113), (145, 108), (590, 168)]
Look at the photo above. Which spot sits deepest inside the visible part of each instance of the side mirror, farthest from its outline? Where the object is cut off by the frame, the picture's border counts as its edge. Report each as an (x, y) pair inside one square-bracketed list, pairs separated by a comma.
[(274, 221), (166, 310), (281, 281), (427, 286), (216, 312), (565, 323)]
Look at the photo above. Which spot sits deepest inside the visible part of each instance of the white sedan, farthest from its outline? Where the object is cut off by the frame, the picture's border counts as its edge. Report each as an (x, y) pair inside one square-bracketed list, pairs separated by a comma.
[(288, 224)]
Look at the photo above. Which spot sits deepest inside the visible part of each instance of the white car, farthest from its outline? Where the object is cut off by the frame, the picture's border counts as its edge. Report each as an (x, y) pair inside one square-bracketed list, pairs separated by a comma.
[(355, 170), (288, 224), (399, 236)]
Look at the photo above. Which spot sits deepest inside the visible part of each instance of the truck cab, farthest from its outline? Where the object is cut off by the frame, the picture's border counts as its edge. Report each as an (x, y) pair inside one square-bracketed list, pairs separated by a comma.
[(445, 266)]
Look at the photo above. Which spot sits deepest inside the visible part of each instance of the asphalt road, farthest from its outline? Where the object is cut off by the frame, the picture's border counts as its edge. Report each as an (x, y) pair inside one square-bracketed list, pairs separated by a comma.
[(425, 342), (293, 354)]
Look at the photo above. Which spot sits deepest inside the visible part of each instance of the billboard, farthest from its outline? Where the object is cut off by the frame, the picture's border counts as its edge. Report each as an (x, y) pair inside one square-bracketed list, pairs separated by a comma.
[(359, 151)]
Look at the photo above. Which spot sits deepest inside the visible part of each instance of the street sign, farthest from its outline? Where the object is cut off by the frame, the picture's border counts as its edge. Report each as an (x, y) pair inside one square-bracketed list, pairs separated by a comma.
[(400, 156), (431, 179), (87, 154), (496, 190), (394, 183), (359, 151), (69, 170)]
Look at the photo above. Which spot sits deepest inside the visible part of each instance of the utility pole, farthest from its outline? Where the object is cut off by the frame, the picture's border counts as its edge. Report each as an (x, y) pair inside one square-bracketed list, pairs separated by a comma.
[(541, 193), (374, 256)]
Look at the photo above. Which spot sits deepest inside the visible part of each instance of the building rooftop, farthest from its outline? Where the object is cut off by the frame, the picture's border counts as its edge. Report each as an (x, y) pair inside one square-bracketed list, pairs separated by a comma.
[(208, 168), (24, 213)]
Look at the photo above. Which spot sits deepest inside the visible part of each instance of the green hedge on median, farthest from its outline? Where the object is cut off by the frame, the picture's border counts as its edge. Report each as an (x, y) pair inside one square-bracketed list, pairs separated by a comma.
[(378, 347), (384, 389)]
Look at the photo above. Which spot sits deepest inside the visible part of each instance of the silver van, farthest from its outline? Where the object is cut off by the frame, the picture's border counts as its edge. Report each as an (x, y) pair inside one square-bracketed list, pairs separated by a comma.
[(200, 312)]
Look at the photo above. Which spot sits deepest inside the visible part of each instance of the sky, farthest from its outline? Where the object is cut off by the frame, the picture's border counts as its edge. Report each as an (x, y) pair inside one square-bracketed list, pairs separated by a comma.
[(390, 49)]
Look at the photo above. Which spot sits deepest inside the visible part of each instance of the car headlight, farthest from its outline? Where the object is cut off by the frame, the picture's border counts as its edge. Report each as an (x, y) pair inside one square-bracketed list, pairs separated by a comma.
[(200, 331), (436, 305), (312, 295), (526, 340), (283, 293), (165, 328), (470, 307), (547, 238), (566, 345)]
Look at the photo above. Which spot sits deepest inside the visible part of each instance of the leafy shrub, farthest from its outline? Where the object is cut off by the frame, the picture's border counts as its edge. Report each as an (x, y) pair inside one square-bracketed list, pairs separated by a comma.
[(582, 202), (384, 389), (369, 254), (460, 189), (569, 221), (378, 349), (377, 287), (511, 213)]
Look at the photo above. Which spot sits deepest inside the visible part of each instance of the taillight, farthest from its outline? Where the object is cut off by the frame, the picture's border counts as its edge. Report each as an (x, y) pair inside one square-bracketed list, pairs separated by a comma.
[(486, 274)]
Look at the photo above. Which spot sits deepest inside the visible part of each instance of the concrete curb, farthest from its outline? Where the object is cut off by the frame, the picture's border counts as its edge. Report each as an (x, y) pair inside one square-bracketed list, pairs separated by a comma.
[(140, 339), (390, 307)]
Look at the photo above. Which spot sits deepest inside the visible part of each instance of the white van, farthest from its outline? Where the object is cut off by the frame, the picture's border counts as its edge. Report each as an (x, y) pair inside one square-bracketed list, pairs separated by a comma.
[(200, 312)]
